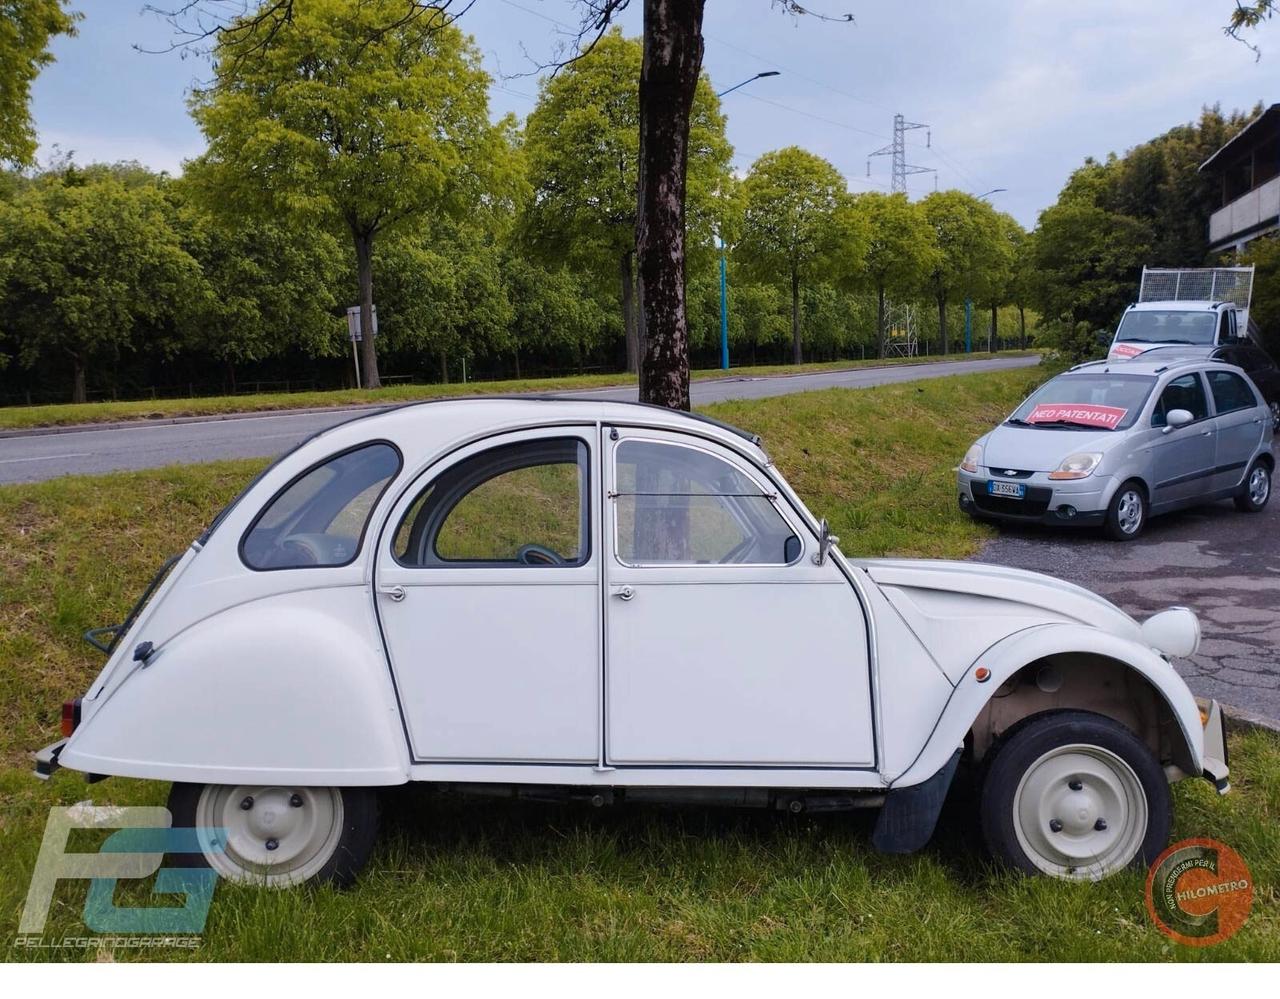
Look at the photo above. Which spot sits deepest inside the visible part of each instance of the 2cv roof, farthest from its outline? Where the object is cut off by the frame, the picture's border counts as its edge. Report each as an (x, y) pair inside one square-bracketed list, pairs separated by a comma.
[(439, 422), (424, 430)]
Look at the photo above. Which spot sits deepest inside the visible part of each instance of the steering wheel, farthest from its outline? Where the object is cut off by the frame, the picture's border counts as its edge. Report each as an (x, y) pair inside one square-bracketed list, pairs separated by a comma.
[(538, 555)]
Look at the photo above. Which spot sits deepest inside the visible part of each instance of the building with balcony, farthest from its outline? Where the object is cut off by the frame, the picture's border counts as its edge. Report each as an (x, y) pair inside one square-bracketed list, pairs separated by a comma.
[(1249, 169)]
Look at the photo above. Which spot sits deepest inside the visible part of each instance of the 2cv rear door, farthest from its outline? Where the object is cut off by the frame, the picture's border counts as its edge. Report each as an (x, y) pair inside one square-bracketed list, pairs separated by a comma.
[(488, 595)]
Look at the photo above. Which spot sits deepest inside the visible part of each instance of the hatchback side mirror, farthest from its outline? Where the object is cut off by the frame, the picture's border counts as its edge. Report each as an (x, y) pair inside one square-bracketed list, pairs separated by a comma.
[(826, 541), (1177, 418)]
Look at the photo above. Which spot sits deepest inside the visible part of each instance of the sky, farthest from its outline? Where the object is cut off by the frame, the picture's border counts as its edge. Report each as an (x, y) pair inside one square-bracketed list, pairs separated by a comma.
[(1015, 94)]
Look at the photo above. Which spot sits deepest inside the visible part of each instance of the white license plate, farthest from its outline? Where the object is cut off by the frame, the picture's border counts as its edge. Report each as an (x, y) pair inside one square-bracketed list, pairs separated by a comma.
[(1016, 490)]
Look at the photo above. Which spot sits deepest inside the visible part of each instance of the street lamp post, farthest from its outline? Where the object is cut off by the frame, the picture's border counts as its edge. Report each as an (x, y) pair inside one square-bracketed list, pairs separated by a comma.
[(968, 303), (724, 263)]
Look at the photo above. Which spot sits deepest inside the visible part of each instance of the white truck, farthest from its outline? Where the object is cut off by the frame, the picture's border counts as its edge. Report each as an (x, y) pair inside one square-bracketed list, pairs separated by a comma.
[(1196, 307)]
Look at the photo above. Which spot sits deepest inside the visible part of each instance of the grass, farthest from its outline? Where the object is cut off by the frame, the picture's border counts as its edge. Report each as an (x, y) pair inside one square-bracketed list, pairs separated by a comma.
[(71, 414), (464, 880)]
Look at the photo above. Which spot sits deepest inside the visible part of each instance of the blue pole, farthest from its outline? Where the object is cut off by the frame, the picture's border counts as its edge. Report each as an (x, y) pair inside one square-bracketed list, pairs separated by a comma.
[(968, 326), (724, 311)]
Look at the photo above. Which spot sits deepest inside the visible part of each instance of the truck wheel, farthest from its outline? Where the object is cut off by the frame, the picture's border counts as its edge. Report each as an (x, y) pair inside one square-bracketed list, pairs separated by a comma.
[(1074, 795), (277, 836), (1256, 490), (1127, 513)]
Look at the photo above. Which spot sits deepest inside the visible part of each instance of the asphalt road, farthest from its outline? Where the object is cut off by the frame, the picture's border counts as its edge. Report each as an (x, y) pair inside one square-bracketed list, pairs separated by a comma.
[(1223, 564), (35, 457)]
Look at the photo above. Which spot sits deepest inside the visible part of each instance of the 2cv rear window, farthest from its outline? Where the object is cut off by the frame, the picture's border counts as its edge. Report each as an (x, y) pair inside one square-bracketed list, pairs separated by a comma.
[(319, 519)]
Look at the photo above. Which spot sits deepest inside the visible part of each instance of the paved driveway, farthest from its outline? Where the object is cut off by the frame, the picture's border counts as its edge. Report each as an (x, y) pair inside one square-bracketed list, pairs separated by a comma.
[(34, 457), (1223, 564)]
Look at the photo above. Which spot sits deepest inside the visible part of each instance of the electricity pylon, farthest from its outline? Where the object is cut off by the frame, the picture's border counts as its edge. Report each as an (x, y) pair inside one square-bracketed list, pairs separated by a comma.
[(898, 150)]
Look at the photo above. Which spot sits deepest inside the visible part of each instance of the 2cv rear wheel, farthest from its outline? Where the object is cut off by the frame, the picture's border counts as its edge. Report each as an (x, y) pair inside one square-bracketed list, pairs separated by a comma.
[(277, 836), (1074, 795)]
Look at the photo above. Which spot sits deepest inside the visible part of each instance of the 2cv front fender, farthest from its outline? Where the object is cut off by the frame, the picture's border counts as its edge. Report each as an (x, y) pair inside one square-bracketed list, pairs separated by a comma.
[(292, 689), (1006, 657)]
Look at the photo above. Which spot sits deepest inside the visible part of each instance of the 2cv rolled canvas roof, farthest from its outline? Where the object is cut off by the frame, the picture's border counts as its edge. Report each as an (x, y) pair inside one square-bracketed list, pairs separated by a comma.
[(426, 429), (430, 426)]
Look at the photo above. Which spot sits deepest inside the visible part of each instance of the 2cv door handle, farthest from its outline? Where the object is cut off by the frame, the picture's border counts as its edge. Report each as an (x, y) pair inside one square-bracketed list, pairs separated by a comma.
[(394, 593), (624, 592)]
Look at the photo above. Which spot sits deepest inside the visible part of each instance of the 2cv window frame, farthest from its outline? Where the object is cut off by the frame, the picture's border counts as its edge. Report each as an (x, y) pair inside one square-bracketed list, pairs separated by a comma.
[(294, 480)]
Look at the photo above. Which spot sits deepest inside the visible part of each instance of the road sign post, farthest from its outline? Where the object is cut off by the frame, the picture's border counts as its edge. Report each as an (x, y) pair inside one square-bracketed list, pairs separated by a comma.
[(357, 334)]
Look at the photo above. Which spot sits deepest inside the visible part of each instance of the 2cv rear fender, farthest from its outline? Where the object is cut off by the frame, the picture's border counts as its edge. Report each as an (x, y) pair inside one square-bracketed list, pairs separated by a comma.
[(1032, 671), (289, 688)]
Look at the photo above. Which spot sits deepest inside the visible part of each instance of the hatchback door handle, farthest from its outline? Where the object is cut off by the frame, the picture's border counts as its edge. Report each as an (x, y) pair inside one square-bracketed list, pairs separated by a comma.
[(396, 593), (624, 593)]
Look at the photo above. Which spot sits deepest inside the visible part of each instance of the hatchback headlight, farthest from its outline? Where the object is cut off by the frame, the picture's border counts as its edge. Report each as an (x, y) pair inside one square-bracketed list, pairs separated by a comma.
[(972, 459), (1077, 466)]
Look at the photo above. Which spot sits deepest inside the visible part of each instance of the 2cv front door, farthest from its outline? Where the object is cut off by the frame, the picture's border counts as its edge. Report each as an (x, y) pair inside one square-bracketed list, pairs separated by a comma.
[(725, 643)]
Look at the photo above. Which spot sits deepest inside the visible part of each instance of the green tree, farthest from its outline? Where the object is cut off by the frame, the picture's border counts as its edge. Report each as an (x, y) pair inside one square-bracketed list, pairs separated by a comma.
[(798, 226), (971, 250), (89, 269), (355, 116), (582, 144), (26, 28), (1264, 254), (900, 251)]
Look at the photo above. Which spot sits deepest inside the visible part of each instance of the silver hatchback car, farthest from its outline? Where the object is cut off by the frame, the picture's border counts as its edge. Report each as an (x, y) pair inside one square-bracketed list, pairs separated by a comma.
[(1111, 443)]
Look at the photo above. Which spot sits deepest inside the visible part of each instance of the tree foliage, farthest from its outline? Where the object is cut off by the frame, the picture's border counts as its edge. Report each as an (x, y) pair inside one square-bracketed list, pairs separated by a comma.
[(26, 29), (799, 226), (901, 251), (87, 266), (582, 146), (355, 117)]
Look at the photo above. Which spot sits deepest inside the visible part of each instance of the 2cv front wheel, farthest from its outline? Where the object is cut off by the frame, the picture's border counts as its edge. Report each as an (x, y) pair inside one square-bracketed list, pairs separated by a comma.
[(1074, 795), (277, 836)]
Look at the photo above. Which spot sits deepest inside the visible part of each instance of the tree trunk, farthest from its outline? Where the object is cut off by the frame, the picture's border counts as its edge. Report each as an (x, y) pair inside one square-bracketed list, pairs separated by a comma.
[(668, 78), (444, 366), (880, 330), (1022, 327), (627, 276), (78, 393), (231, 375), (797, 356), (993, 338), (368, 348), (942, 319), (517, 353)]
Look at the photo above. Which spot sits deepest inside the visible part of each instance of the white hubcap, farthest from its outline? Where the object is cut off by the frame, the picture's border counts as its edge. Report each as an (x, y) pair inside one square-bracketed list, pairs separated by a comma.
[(1259, 485), (1129, 511), (1080, 813), (270, 835)]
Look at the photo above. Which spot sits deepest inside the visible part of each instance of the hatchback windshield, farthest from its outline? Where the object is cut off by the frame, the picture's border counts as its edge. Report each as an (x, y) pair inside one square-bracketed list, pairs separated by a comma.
[(1098, 401), (1174, 326)]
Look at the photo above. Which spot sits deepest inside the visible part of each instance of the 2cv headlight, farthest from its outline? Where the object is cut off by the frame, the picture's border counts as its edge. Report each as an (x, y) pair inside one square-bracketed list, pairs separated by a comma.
[(972, 459), (1077, 466)]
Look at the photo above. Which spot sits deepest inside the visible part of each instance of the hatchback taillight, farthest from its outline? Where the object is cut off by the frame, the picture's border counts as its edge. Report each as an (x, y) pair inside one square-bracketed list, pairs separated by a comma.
[(70, 716)]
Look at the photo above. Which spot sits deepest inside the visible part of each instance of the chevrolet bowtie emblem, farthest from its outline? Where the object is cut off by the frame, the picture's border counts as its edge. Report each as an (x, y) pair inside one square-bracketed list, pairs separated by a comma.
[(1010, 471)]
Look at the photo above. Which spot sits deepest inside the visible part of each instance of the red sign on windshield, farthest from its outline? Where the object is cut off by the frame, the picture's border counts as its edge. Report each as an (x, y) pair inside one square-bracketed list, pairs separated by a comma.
[(1105, 417), (1126, 350)]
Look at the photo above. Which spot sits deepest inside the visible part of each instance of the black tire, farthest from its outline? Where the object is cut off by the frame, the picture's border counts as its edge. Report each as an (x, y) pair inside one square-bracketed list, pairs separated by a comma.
[(347, 858), (1022, 754), (1253, 496), (1119, 525)]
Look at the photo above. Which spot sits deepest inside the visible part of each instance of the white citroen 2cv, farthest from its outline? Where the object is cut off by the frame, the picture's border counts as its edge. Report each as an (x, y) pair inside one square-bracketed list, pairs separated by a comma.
[(614, 602)]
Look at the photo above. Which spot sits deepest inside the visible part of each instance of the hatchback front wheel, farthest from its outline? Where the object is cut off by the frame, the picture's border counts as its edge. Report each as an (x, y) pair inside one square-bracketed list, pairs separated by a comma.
[(1127, 513)]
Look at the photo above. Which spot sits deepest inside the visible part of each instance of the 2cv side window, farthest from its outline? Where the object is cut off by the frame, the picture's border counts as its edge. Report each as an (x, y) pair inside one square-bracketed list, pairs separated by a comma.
[(681, 505), (521, 504), (318, 520)]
